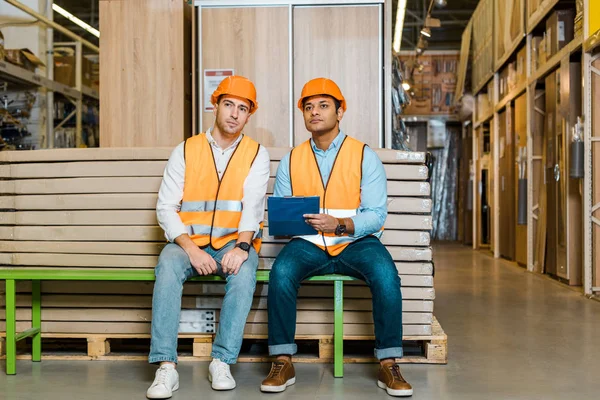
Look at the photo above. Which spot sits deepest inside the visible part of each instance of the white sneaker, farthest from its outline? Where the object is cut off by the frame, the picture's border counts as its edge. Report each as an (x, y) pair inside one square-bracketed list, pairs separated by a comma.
[(165, 382), (220, 375)]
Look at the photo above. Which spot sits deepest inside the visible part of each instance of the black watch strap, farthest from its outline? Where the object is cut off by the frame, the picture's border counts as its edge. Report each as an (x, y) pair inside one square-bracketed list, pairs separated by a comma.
[(244, 246)]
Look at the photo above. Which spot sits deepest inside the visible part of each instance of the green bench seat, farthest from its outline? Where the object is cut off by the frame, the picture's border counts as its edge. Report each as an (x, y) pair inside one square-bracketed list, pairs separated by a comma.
[(36, 275)]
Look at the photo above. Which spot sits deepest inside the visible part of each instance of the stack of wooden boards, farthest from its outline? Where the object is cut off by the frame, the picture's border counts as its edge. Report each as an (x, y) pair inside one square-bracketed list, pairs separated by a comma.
[(95, 208)]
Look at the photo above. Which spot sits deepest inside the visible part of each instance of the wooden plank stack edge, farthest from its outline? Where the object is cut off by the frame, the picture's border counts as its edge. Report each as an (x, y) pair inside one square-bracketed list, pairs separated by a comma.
[(95, 208)]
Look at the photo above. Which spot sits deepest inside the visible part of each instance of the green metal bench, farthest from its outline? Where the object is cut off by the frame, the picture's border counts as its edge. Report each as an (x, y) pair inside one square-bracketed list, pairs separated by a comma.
[(36, 275)]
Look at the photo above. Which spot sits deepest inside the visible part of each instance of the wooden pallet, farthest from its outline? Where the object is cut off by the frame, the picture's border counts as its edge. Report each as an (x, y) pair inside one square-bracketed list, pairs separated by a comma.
[(431, 349)]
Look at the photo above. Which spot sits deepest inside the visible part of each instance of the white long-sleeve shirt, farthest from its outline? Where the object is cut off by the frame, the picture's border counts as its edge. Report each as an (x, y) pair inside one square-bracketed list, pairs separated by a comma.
[(170, 193)]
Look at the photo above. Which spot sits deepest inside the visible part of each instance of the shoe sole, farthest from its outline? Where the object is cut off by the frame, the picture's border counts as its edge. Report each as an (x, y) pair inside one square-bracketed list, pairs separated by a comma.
[(277, 389), (176, 387), (218, 388), (395, 392)]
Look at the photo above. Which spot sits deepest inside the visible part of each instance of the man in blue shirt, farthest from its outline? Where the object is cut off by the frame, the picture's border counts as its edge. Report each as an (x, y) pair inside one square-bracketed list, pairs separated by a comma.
[(350, 180)]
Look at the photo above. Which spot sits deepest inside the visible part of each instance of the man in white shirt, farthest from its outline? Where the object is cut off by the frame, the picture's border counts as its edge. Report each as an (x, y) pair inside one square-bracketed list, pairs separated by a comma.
[(211, 207)]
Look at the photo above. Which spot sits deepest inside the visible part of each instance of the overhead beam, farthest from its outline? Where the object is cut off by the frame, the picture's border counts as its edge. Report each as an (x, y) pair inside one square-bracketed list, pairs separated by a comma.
[(414, 15)]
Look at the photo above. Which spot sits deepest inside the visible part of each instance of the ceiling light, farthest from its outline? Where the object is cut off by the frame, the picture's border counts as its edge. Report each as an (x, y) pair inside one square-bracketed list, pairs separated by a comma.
[(75, 20), (441, 3), (426, 32), (399, 25), (406, 85)]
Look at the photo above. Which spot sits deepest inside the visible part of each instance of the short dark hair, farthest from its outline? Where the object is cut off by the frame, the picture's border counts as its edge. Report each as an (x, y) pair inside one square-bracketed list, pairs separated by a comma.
[(223, 95), (335, 101)]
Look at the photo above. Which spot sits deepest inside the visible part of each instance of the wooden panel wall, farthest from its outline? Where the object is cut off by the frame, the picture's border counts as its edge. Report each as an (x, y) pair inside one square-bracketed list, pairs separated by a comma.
[(467, 169), (596, 175), (483, 192), (492, 178), (509, 28), (536, 10), (483, 49), (520, 143), (255, 43), (506, 163), (540, 191), (144, 73), (570, 109), (340, 43), (551, 184)]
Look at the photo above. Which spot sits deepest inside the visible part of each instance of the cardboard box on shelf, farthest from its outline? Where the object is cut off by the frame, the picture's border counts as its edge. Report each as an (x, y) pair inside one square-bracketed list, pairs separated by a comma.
[(24, 58), (64, 71), (560, 30)]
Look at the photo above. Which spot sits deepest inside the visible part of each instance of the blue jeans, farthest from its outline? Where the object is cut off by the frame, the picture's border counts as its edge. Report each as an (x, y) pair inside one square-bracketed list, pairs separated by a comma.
[(366, 259), (172, 271)]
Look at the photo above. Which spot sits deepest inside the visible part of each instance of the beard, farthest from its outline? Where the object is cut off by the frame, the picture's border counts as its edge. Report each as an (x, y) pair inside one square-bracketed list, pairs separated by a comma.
[(225, 128)]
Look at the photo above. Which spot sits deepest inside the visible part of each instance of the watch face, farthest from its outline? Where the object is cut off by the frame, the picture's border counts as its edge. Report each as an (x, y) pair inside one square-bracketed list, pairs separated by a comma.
[(340, 230), (244, 246)]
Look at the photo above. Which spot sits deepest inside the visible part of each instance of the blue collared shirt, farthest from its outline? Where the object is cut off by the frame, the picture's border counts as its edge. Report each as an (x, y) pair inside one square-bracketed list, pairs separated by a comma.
[(372, 211)]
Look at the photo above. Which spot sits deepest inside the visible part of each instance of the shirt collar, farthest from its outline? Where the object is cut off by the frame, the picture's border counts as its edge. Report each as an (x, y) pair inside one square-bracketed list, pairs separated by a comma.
[(337, 142), (214, 143)]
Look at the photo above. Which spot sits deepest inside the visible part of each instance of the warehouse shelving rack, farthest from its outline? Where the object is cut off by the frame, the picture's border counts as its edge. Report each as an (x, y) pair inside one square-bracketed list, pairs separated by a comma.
[(487, 78), (27, 79)]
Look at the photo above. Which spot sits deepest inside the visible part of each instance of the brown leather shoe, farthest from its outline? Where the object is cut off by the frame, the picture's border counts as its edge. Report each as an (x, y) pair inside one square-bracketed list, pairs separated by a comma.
[(392, 381), (281, 376)]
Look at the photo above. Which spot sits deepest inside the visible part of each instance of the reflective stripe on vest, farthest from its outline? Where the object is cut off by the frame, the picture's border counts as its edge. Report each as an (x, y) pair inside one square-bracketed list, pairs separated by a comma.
[(340, 197), (221, 205), (211, 208), (216, 232)]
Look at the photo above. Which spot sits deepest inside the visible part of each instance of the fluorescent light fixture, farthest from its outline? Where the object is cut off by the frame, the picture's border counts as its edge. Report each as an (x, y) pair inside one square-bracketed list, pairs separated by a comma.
[(399, 25), (426, 32), (75, 20)]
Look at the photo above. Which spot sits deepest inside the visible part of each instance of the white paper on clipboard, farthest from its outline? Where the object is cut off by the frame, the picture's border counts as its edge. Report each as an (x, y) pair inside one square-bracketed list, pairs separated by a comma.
[(212, 79)]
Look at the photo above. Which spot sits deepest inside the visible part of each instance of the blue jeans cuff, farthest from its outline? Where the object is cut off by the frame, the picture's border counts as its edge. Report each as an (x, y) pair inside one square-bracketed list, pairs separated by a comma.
[(156, 360), (279, 349), (390, 352), (229, 361)]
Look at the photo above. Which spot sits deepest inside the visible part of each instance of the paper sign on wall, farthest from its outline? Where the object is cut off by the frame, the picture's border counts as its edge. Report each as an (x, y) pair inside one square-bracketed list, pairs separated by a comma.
[(212, 78)]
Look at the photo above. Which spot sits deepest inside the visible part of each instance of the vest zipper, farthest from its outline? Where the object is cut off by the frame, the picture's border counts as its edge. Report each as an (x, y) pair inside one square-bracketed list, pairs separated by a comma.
[(325, 186), (220, 179)]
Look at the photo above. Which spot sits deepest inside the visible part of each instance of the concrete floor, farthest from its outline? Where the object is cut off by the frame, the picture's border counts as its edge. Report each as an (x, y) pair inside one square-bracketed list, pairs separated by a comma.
[(512, 335)]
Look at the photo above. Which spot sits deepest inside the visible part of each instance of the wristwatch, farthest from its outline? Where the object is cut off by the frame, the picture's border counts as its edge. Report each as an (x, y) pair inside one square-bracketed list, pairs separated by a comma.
[(341, 228), (244, 246)]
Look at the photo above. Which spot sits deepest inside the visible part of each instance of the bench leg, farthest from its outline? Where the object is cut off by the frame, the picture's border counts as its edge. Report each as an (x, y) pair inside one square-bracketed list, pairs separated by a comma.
[(11, 328), (36, 320), (338, 329)]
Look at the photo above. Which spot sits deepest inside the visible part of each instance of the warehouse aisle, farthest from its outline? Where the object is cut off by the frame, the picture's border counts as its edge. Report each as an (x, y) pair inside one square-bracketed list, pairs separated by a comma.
[(511, 334)]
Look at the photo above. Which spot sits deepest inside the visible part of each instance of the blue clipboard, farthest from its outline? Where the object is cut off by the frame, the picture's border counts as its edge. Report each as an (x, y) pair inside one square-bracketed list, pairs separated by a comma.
[(286, 215)]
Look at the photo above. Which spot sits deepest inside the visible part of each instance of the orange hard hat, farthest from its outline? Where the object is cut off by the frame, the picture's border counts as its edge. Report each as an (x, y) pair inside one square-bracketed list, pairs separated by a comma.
[(322, 86), (236, 86)]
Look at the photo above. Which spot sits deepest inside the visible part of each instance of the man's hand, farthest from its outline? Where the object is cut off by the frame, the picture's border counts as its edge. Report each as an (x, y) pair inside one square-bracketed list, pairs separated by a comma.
[(202, 262), (322, 222), (233, 260)]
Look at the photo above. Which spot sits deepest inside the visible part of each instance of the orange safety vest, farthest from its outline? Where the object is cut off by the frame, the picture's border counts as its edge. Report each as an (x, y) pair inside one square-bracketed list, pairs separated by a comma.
[(211, 209), (340, 197)]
